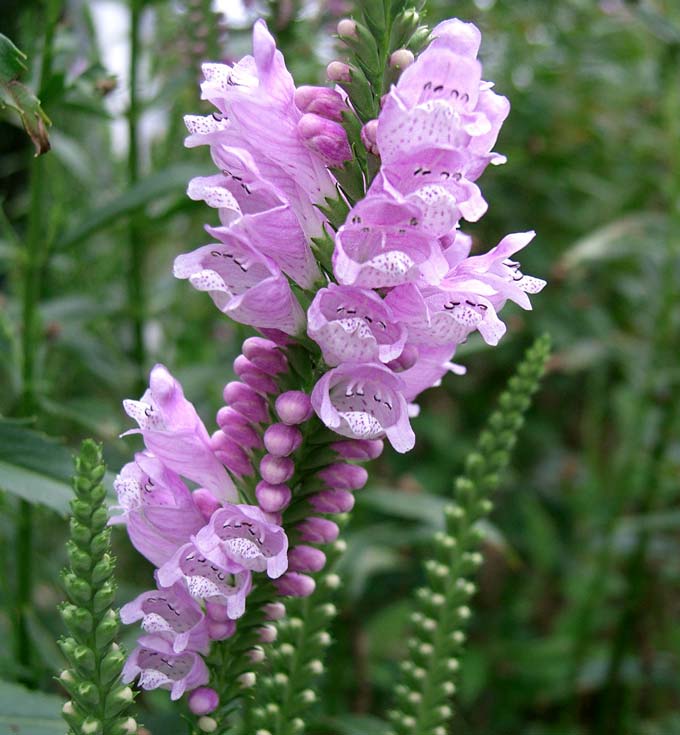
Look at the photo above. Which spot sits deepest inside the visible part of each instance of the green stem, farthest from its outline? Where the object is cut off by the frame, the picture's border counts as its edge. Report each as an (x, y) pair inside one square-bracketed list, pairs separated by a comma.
[(647, 481), (35, 258), (136, 293)]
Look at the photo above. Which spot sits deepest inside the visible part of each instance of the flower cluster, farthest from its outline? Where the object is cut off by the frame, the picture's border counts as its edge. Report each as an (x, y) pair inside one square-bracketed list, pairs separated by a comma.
[(205, 544), (408, 291), (385, 315)]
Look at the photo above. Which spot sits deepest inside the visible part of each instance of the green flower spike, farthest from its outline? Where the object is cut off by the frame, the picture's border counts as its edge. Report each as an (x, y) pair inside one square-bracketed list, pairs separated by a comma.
[(99, 701), (442, 611)]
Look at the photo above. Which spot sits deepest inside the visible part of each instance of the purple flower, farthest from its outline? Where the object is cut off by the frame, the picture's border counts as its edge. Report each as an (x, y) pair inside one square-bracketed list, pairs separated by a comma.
[(174, 433), (158, 508), (364, 402), (328, 103), (382, 244), (158, 666), (228, 583), (257, 96), (497, 271), (170, 613), (241, 534), (245, 285), (354, 325), (438, 317), (257, 211)]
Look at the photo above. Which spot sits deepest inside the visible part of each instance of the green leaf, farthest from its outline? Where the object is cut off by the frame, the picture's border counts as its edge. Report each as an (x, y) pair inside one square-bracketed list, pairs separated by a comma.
[(357, 725), (34, 467), (24, 712), (172, 180), (16, 96)]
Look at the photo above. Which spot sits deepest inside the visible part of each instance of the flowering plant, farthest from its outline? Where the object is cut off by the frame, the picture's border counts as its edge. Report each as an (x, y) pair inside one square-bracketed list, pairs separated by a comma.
[(339, 240)]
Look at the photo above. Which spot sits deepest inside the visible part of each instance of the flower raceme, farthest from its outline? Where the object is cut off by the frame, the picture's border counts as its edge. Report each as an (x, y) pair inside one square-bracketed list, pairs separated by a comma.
[(381, 322)]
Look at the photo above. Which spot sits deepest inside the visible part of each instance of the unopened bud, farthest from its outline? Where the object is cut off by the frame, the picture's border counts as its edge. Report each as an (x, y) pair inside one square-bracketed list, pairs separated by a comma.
[(338, 71), (347, 27)]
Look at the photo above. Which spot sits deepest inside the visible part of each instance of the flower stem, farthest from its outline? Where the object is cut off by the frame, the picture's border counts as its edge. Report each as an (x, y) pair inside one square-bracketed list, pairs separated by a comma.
[(35, 258), (136, 293)]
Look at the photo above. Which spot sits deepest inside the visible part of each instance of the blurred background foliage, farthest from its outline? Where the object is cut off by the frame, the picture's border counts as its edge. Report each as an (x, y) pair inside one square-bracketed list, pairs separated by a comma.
[(576, 627)]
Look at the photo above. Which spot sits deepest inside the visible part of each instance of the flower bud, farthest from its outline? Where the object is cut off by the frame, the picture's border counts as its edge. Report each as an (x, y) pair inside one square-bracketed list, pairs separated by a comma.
[(332, 501), (338, 71), (406, 360), (237, 427), (265, 355), (343, 476), (321, 101), (207, 724), (272, 498), (401, 58), (216, 611), (206, 502), (293, 584), (276, 470), (219, 631), (231, 454), (358, 449), (203, 701), (318, 530), (325, 137), (294, 407), (306, 559), (281, 439), (246, 401), (247, 679), (267, 634), (253, 376), (275, 610), (369, 137), (347, 27)]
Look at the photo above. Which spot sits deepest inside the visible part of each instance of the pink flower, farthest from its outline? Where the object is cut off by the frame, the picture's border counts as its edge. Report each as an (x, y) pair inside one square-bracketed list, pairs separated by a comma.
[(170, 613), (245, 285), (228, 583), (242, 534), (364, 402), (382, 243), (158, 666), (158, 508), (354, 325), (174, 433)]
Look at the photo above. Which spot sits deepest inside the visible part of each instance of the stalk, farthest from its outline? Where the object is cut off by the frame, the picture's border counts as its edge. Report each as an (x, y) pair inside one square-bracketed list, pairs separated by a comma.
[(136, 292), (35, 259), (648, 481)]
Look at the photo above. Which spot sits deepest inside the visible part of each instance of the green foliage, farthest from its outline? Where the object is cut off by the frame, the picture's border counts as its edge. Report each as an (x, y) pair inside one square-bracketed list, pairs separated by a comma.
[(99, 701), (26, 712), (17, 97), (442, 606)]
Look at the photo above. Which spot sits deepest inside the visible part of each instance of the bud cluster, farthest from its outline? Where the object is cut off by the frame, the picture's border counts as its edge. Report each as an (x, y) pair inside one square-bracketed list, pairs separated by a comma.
[(99, 700), (442, 611)]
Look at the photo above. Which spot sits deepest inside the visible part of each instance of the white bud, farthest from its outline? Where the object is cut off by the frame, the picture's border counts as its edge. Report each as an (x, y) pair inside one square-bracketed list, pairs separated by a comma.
[(332, 581), (281, 679), (324, 639), (316, 667), (125, 695), (247, 680), (308, 696), (425, 649), (449, 688), (401, 58), (91, 726), (207, 724), (415, 697), (286, 650), (256, 654), (329, 610), (68, 708), (429, 624), (419, 674), (295, 623), (464, 612), (437, 600), (458, 636), (347, 27), (453, 664), (408, 722), (444, 712), (272, 709), (130, 726), (340, 546)]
